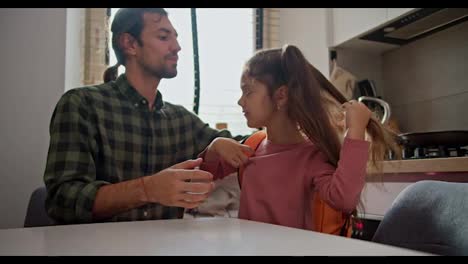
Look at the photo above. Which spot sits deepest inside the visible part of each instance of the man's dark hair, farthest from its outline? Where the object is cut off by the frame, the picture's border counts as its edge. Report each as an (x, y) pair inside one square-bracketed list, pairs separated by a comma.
[(127, 20)]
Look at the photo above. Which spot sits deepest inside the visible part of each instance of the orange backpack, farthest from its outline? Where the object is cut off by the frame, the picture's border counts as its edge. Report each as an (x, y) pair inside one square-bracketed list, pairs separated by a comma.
[(326, 219)]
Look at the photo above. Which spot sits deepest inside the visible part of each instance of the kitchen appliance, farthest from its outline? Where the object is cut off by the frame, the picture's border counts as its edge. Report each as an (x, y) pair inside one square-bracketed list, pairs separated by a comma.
[(418, 24), (434, 144), (367, 94), (366, 88), (385, 106), (425, 145)]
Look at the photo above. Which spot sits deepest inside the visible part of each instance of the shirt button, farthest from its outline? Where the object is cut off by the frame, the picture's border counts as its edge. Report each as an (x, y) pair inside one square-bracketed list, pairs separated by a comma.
[(145, 213), (143, 101), (136, 105)]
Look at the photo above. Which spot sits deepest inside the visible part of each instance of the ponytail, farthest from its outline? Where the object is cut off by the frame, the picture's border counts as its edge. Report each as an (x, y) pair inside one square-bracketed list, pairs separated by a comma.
[(310, 105), (111, 73), (305, 103), (383, 140)]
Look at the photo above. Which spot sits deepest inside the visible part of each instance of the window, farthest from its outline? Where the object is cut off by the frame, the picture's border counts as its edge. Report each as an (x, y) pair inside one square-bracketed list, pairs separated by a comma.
[(225, 42)]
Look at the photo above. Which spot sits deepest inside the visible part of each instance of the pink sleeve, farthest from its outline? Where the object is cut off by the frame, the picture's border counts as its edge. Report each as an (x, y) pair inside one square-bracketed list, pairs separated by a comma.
[(219, 168), (341, 187)]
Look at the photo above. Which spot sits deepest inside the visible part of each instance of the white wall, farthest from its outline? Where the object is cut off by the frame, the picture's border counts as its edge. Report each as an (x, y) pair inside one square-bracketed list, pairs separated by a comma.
[(307, 29), (74, 48), (32, 73)]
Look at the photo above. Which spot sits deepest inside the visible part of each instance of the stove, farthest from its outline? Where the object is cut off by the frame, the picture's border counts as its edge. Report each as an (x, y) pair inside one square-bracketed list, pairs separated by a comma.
[(430, 152)]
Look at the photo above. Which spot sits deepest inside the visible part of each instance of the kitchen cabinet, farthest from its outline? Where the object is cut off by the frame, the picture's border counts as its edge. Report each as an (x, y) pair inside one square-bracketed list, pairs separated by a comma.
[(396, 12), (348, 23), (351, 22), (307, 29)]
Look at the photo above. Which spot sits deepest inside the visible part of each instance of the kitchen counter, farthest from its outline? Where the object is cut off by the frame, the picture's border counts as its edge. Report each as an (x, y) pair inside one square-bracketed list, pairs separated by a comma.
[(454, 164), (202, 236)]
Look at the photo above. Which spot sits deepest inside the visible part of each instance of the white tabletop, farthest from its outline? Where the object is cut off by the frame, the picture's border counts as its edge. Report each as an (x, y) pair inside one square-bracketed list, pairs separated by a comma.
[(200, 236)]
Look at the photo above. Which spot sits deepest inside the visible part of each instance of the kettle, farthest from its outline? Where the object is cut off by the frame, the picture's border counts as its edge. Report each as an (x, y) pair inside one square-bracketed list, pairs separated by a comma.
[(386, 107)]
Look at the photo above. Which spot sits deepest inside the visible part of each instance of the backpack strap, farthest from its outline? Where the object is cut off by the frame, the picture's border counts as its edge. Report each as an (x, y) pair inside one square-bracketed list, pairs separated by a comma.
[(253, 141)]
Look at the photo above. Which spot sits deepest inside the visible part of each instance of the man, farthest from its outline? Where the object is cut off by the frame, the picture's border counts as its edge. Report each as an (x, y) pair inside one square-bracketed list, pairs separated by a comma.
[(113, 146)]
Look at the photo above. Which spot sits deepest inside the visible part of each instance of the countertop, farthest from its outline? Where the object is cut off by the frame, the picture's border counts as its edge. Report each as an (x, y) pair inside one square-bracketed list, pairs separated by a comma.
[(202, 236), (454, 164)]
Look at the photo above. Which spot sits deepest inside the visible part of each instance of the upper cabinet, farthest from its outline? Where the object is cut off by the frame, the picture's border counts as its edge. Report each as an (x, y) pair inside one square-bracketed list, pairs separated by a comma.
[(347, 23), (350, 22), (396, 12)]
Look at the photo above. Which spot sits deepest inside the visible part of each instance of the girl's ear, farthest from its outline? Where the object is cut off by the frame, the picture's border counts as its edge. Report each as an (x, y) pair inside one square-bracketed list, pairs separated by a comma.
[(281, 96)]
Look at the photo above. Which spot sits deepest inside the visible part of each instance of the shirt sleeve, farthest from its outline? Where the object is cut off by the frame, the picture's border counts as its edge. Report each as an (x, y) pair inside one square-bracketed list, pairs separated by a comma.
[(70, 174), (218, 167), (204, 134), (341, 187)]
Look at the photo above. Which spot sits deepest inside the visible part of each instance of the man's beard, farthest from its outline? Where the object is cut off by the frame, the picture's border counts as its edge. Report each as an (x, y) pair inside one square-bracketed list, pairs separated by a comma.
[(163, 72)]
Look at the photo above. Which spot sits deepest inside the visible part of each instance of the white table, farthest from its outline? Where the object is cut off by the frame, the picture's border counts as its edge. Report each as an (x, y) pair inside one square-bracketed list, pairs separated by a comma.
[(200, 236)]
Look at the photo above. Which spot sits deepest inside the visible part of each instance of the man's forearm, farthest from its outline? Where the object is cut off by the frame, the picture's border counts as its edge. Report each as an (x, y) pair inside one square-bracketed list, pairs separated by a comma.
[(116, 198)]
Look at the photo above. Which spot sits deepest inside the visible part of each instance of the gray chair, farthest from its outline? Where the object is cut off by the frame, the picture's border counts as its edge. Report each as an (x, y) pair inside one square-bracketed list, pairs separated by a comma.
[(430, 216), (36, 214)]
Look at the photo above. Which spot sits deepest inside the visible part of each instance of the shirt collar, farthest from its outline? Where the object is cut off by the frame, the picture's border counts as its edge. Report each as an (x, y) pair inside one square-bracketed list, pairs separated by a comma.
[(136, 98)]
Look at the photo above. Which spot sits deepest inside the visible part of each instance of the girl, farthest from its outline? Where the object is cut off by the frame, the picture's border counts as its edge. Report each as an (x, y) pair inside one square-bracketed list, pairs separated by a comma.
[(302, 152)]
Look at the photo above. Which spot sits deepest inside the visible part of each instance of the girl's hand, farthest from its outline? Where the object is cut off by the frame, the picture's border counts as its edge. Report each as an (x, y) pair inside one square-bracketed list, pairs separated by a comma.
[(231, 151), (357, 118)]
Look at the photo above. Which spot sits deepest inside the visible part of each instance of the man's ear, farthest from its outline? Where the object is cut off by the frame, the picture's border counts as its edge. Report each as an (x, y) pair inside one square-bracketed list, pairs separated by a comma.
[(281, 96), (128, 44)]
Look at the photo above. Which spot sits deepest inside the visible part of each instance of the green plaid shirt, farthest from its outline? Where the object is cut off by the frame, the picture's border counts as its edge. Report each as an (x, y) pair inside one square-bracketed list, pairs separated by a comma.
[(106, 134)]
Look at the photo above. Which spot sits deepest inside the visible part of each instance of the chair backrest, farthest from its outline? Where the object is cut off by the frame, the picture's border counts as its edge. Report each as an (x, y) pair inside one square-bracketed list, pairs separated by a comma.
[(428, 216), (36, 214)]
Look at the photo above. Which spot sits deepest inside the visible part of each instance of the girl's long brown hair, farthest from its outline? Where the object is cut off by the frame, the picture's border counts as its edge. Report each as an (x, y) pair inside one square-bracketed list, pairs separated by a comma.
[(312, 102)]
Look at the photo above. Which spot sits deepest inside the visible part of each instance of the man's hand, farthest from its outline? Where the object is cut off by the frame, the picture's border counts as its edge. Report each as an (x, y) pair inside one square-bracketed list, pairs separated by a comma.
[(175, 186)]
